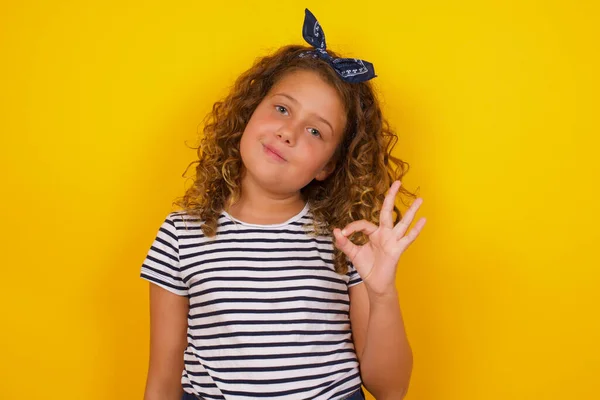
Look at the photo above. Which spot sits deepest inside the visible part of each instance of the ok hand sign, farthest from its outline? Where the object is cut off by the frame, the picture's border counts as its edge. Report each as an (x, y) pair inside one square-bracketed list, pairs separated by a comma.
[(376, 261)]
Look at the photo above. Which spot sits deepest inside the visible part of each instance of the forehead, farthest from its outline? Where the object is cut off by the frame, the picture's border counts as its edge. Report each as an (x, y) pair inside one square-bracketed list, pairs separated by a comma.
[(314, 95), (306, 81)]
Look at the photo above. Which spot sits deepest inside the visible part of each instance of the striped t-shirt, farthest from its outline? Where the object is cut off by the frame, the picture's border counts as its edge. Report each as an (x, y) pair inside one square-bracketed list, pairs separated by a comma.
[(269, 316)]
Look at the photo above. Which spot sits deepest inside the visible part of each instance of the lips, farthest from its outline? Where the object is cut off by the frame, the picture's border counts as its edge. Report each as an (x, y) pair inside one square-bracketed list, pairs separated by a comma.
[(274, 151)]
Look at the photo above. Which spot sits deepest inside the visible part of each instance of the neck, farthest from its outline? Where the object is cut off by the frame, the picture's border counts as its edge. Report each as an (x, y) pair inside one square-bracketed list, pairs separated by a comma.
[(260, 206)]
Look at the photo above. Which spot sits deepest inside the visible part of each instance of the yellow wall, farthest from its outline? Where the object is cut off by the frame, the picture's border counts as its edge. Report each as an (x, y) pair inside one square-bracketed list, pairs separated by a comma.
[(497, 108)]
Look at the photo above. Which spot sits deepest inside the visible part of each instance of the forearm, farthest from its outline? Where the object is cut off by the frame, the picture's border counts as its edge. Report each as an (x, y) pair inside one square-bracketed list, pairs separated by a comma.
[(386, 361), (168, 341), (164, 376), (163, 389)]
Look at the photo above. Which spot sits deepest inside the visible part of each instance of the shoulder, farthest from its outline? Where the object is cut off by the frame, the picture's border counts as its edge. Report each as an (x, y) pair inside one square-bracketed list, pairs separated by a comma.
[(188, 228), (182, 220)]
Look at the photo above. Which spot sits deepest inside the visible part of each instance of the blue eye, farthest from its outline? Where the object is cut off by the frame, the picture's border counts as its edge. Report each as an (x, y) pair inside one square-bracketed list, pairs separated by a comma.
[(280, 108), (313, 131)]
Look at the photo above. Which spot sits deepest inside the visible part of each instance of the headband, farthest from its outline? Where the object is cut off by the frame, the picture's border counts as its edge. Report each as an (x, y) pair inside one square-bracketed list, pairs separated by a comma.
[(351, 70)]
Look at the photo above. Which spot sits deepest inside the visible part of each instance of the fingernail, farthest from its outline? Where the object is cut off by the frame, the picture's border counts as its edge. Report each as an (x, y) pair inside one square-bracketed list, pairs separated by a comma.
[(344, 232)]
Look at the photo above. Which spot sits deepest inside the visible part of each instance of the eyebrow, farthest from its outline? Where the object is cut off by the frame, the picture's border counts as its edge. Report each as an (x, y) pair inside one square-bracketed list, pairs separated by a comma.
[(297, 102)]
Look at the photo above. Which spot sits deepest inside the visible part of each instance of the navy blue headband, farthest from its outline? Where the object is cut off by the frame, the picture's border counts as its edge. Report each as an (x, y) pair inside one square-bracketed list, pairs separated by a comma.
[(351, 70)]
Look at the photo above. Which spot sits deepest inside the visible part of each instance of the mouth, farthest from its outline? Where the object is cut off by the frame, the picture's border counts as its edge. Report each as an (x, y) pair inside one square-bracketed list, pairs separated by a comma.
[(273, 153)]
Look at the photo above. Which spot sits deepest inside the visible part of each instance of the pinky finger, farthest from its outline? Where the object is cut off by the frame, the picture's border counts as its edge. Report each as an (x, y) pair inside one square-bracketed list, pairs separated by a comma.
[(414, 232)]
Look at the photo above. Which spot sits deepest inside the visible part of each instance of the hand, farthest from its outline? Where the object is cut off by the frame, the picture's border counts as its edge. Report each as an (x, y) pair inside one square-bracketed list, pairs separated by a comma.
[(376, 261)]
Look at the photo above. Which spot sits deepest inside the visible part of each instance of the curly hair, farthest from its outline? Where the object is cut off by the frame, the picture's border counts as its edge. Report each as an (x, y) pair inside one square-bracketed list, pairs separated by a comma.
[(364, 167)]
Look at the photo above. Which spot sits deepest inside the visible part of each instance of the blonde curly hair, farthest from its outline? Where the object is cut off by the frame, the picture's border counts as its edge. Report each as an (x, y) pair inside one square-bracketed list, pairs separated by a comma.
[(364, 169)]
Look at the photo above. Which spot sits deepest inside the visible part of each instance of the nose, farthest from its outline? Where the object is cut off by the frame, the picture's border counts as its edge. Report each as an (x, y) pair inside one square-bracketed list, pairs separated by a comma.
[(287, 133)]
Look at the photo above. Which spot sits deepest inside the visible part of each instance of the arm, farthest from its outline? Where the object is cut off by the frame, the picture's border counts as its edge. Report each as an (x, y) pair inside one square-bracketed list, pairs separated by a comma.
[(380, 341), (168, 340)]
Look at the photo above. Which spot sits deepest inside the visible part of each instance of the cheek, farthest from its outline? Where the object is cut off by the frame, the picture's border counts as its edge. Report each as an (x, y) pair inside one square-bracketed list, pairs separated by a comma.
[(261, 118), (315, 153), (253, 130)]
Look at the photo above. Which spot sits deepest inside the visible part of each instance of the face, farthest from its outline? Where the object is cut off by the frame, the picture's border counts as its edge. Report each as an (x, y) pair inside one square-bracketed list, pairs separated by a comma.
[(293, 133)]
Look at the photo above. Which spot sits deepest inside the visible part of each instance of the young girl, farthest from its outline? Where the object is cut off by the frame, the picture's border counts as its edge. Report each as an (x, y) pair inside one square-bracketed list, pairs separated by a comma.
[(255, 291)]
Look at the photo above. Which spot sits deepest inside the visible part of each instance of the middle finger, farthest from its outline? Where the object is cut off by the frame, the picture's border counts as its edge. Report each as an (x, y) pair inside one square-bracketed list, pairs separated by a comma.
[(385, 216)]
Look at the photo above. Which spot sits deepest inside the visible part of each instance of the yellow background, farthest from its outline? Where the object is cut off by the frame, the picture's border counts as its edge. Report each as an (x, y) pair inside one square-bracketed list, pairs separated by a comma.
[(496, 105)]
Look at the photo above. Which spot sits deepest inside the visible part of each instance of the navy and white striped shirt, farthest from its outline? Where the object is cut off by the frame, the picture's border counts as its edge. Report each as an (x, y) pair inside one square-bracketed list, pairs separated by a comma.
[(269, 316)]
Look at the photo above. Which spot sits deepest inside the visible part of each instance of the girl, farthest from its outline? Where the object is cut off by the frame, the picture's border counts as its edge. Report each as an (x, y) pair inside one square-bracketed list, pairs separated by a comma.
[(255, 291)]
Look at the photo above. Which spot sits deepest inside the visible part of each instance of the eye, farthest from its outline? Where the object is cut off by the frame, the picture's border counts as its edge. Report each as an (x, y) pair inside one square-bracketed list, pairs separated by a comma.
[(281, 110), (314, 132)]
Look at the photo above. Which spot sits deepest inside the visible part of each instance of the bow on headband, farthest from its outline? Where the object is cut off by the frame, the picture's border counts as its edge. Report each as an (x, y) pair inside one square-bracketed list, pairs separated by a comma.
[(350, 69)]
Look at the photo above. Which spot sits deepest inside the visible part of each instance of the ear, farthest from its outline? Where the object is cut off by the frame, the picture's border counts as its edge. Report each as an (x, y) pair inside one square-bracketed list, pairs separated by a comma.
[(327, 170)]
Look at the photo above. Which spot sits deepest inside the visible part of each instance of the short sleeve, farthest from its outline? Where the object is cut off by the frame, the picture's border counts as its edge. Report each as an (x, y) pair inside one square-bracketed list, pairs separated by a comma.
[(354, 277), (161, 265)]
